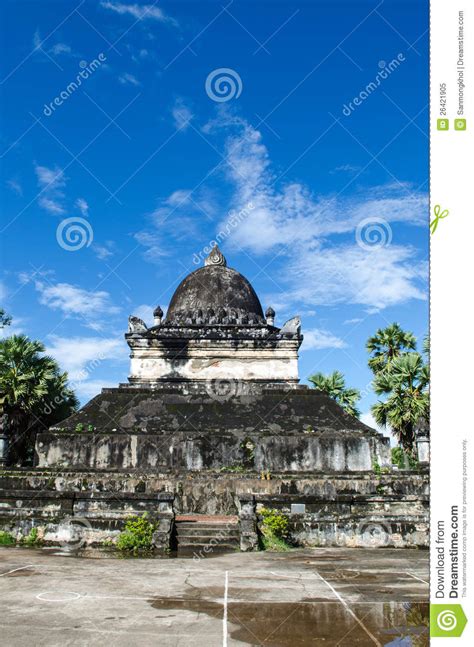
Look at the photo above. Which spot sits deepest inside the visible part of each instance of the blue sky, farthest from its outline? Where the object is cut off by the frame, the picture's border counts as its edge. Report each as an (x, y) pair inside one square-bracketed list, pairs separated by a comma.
[(334, 226)]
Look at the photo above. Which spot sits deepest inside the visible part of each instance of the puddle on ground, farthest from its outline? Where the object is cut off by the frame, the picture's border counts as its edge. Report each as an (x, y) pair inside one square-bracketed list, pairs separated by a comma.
[(21, 573), (300, 624)]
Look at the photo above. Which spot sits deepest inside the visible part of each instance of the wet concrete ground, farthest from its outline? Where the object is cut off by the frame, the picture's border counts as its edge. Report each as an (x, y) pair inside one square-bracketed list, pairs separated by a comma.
[(327, 597)]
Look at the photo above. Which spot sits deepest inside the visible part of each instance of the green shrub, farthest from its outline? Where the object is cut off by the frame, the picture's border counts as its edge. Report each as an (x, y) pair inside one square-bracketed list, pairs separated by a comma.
[(31, 538), (79, 427), (376, 467), (138, 535), (6, 539), (274, 529), (274, 521), (400, 457)]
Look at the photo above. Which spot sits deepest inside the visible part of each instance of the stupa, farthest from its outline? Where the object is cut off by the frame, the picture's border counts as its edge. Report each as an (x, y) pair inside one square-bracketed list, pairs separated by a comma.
[(214, 421), (213, 385)]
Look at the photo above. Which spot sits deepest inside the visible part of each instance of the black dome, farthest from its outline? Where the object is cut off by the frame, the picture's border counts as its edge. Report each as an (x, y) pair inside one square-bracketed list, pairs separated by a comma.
[(215, 288)]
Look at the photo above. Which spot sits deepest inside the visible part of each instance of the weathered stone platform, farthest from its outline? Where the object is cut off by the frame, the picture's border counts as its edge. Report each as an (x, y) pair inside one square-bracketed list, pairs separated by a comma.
[(360, 509), (191, 428)]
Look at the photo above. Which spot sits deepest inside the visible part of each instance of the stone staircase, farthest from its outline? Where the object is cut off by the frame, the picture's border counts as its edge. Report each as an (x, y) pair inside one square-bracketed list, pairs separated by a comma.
[(205, 536)]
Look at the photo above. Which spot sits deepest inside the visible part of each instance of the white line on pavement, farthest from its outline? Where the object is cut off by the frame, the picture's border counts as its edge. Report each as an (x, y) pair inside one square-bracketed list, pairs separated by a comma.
[(349, 610), (21, 568), (224, 619)]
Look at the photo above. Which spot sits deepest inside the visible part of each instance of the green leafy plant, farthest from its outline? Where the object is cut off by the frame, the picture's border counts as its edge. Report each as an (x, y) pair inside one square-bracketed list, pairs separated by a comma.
[(274, 529), (137, 536), (79, 427), (376, 468), (387, 344), (90, 428), (334, 385), (35, 393), (6, 539), (401, 459), (405, 385), (31, 539), (235, 468)]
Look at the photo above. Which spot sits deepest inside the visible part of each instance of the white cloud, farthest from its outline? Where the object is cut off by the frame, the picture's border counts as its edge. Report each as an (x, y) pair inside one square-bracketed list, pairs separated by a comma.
[(37, 40), (82, 205), (51, 205), (51, 178), (51, 182), (307, 230), (356, 320), (145, 312), (182, 114), (349, 274), (346, 168), (317, 339), (129, 79), (104, 251), (140, 12), (82, 356), (75, 301), (15, 187), (60, 48)]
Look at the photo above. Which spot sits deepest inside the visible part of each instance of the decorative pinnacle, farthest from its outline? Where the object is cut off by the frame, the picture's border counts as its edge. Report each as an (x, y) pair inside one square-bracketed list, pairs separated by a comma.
[(157, 316), (270, 316), (216, 257)]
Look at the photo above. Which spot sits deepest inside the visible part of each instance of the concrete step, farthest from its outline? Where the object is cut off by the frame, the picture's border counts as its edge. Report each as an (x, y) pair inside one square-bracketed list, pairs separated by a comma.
[(208, 532), (206, 539), (207, 549)]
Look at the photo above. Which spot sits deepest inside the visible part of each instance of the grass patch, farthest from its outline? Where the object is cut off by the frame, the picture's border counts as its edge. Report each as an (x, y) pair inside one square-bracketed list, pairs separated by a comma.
[(273, 543)]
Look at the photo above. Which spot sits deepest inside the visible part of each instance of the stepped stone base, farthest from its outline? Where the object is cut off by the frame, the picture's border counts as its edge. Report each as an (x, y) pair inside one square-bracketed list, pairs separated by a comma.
[(360, 509), (189, 428)]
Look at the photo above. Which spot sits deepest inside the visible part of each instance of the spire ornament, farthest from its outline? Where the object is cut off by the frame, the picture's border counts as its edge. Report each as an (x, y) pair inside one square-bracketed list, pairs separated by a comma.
[(216, 257)]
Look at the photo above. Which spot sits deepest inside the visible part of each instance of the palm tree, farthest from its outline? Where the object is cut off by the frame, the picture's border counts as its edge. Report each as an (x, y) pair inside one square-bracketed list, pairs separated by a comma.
[(5, 319), (407, 403), (29, 383), (387, 344), (334, 385)]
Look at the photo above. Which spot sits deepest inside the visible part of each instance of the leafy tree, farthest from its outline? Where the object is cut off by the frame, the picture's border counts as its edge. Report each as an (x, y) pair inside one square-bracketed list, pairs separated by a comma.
[(5, 320), (387, 344), (34, 392), (335, 387), (406, 386)]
